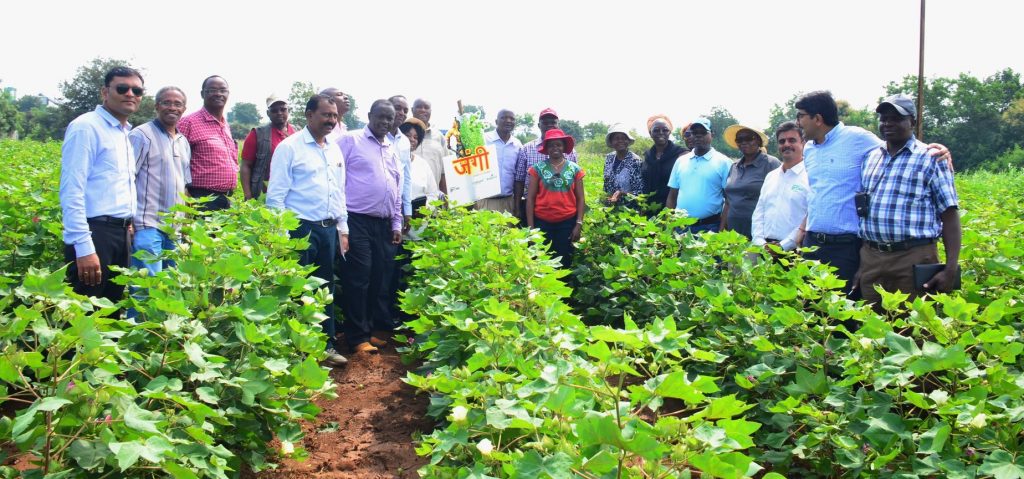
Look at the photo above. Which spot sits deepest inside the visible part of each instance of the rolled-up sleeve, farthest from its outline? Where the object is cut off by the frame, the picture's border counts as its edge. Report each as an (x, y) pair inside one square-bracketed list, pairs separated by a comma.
[(75, 154)]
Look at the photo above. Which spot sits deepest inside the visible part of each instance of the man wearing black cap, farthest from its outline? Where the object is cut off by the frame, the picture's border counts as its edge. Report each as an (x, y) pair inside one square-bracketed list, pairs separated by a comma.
[(907, 200), (529, 156)]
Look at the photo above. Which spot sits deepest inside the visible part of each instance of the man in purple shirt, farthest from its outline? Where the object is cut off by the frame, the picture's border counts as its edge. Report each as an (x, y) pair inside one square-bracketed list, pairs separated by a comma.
[(373, 178)]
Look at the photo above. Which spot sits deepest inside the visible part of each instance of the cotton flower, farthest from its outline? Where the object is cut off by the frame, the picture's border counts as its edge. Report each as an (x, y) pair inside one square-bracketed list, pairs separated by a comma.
[(306, 300), (459, 413), (246, 249), (866, 343), (287, 448), (485, 447), (979, 421)]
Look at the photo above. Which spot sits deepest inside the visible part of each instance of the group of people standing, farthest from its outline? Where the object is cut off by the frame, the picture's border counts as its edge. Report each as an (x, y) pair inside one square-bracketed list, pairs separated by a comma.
[(356, 191)]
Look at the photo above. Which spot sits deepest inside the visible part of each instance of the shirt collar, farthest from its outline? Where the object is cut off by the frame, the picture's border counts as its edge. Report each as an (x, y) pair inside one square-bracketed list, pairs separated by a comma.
[(307, 136), (707, 156), (209, 116), (911, 144), (110, 118), (796, 169), (369, 134), (834, 132)]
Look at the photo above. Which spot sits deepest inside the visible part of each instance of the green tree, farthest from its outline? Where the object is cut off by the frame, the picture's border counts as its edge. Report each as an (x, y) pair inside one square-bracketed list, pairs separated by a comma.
[(28, 102), (10, 117), (524, 127), (82, 93), (297, 98), (595, 129), (352, 122), (572, 128), (245, 113), (865, 118), (721, 119), (42, 123), (968, 114)]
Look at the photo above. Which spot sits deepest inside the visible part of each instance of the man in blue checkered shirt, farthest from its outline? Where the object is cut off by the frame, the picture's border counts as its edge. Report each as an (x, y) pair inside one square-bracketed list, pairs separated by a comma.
[(911, 201)]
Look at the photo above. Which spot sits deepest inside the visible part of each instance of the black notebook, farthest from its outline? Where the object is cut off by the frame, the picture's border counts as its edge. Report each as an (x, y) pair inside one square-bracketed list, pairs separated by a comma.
[(924, 272)]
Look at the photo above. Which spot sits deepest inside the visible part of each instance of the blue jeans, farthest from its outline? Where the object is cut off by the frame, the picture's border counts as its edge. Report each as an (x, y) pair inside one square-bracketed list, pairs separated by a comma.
[(698, 229), (323, 245), (153, 241)]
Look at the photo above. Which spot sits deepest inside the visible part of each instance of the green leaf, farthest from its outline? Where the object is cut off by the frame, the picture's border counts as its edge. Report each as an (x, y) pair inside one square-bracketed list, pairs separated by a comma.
[(50, 404), (140, 419), (127, 453), (934, 357), (676, 385), (88, 454), (310, 374), (808, 383), (902, 348), (178, 471), (725, 407), (933, 440), (882, 430), (195, 354), (1002, 465), (534, 466), (207, 394), (729, 465), (597, 428)]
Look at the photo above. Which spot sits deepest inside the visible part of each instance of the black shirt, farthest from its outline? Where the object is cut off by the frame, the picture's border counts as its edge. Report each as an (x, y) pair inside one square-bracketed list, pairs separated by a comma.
[(656, 171)]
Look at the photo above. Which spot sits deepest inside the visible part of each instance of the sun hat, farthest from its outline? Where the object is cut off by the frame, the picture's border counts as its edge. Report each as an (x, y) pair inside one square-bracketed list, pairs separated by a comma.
[(903, 104), (556, 134), (733, 130), (414, 123), (617, 128), (275, 99)]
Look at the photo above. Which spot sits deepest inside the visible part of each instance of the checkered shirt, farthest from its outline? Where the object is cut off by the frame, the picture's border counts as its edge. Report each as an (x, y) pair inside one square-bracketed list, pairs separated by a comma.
[(909, 191), (214, 153)]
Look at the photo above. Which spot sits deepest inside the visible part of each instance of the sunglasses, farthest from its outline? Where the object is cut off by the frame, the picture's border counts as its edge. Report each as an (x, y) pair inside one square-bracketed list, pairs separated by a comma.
[(122, 89), (744, 139)]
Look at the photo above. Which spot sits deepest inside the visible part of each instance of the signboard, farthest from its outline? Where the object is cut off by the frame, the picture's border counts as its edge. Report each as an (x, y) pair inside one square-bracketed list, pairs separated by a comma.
[(473, 177)]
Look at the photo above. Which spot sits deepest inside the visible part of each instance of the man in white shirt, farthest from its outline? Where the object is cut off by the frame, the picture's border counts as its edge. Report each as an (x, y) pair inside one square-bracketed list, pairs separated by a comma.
[(507, 147), (307, 176), (782, 206)]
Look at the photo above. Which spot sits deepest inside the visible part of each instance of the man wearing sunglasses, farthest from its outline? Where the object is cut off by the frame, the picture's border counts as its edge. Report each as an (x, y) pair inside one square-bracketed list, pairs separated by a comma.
[(97, 186), (259, 146), (214, 152)]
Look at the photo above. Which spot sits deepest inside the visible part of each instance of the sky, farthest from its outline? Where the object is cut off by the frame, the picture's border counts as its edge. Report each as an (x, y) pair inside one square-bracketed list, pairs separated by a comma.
[(590, 61)]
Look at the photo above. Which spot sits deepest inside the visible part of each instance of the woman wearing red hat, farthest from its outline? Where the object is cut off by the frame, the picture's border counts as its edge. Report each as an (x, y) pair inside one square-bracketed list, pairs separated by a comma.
[(555, 200)]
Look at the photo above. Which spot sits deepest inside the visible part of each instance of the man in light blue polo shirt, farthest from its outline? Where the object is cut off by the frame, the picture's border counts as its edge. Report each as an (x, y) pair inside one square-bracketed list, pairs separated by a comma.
[(697, 182), (833, 157)]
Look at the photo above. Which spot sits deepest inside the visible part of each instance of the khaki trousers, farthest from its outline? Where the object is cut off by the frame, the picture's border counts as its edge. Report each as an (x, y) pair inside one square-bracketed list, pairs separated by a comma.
[(893, 271)]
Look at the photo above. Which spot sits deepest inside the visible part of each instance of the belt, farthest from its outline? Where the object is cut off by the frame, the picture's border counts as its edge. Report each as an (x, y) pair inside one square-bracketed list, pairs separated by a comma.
[(716, 218), (207, 192), (122, 222), (825, 238), (772, 240), (899, 245), (321, 223)]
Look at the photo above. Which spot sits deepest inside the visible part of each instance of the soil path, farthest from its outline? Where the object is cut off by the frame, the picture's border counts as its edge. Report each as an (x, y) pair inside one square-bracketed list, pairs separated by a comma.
[(367, 432)]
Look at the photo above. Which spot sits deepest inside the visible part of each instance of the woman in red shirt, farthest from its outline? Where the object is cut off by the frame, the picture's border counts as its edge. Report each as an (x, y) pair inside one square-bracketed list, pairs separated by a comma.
[(555, 201)]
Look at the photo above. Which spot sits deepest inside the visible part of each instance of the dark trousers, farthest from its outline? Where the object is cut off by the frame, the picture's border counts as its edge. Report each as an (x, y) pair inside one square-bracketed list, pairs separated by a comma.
[(365, 273), (558, 237), (844, 256), (218, 199), (323, 247), (113, 248)]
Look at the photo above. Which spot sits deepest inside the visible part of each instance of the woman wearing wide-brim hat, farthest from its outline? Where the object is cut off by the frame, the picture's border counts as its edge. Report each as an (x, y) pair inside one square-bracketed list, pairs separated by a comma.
[(743, 188), (555, 200), (623, 173)]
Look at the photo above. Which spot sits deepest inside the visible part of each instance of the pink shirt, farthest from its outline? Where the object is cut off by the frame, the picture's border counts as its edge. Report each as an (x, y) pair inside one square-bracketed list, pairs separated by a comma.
[(214, 153)]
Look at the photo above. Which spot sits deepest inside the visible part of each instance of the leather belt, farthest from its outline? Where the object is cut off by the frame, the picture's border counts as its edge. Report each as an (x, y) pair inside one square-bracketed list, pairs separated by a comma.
[(321, 223), (122, 222), (825, 238), (899, 245), (710, 220)]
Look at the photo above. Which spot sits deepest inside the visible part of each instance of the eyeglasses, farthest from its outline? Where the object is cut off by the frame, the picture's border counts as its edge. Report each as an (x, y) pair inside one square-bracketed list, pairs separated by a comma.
[(122, 89), (217, 90), (171, 104), (744, 139)]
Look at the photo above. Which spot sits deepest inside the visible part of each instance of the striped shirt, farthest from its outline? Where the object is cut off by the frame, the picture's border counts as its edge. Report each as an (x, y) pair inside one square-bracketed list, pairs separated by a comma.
[(833, 171), (909, 192), (214, 153), (162, 165), (529, 156)]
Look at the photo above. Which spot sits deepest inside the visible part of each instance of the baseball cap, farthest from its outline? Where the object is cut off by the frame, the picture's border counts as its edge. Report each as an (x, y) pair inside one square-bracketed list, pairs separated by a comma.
[(547, 112), (275, 99), (706, 123), (903, 104)]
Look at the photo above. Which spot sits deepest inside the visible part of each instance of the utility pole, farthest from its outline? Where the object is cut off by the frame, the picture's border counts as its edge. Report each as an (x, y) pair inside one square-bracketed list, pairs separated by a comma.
[(920, 80)]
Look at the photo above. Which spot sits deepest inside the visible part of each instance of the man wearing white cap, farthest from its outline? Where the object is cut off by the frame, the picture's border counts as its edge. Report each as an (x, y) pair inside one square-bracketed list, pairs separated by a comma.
[(259, 148)]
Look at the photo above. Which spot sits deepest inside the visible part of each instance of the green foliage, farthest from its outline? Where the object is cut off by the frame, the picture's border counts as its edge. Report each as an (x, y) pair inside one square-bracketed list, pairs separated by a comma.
[(297, 98), (976, 118), (572, 128), (721, 119), (222, 358), (10, 120), (82, 93), (1009, 160)]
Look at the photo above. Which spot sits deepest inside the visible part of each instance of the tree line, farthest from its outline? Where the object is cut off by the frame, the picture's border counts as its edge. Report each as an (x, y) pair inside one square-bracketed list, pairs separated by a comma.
[(981, 120)]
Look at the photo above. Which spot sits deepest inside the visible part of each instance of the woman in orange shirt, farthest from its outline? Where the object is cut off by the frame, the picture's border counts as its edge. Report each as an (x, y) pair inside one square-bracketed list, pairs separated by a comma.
[(555, 201)]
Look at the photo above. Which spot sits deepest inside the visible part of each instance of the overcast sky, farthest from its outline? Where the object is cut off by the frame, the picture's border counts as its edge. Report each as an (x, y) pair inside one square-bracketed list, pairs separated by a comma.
[(607, 61)]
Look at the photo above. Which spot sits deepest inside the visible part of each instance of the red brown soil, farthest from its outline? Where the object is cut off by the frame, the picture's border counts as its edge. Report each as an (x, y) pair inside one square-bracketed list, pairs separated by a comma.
[(375, 417)]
